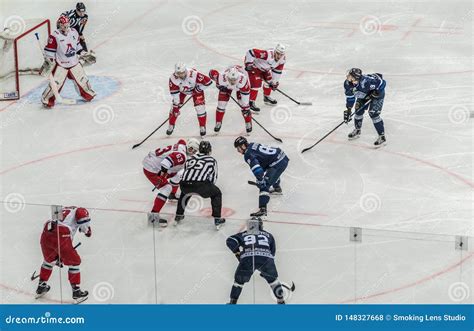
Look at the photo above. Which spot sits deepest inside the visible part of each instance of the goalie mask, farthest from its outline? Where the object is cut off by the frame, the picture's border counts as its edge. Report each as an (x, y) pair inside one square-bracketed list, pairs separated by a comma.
[(63, 24)]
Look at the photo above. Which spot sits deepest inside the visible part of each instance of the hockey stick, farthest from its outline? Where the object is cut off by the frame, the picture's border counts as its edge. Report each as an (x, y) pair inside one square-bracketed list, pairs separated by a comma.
[(295, 101), (327, 134), (289, 288), (34, 275), (308, 148), (52, 83), (159, 127), (260, 125)]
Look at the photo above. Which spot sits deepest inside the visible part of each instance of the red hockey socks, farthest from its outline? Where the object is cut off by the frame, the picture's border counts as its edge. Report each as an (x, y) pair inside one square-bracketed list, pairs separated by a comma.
[(45, 272)]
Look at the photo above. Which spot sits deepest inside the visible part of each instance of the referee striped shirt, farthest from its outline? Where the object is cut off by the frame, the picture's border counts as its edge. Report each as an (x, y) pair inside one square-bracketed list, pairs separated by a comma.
[(200, 168)]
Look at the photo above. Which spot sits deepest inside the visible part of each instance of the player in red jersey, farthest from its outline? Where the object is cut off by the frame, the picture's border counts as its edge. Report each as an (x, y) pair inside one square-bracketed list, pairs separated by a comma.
[(264, 66), (57, 248)]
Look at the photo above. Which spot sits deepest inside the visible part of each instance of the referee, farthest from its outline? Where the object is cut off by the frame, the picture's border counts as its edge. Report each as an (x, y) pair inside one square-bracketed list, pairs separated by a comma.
[(199, 177)]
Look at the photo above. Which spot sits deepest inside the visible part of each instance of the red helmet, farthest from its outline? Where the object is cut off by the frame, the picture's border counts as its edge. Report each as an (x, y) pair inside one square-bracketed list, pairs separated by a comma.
[(82, 215), (63, 20)]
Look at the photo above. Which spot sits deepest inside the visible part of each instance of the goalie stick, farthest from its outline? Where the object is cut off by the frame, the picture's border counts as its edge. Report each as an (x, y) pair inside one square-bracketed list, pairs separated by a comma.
[(52, 83)]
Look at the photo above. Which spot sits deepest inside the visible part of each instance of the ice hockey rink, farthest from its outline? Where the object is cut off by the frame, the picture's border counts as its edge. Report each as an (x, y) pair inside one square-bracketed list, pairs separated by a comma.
[(410, 203)]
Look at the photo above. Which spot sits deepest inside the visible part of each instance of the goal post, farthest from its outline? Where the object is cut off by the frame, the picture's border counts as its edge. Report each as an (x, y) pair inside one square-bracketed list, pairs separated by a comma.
[(19, 55)]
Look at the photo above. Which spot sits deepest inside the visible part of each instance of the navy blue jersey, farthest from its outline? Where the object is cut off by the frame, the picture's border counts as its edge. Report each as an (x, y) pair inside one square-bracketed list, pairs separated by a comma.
[(260, 244), (260, 157), (372, 84)]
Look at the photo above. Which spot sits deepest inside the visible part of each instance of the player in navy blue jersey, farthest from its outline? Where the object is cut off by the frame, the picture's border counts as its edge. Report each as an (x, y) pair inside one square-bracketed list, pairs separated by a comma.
[(267, 164), (255, 250), (366, 92)]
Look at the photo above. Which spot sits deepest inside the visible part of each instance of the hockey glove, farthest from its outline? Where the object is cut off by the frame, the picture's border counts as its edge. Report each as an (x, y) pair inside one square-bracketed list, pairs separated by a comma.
[(161, 181), (261, 183), (59, 263), (274, 86), (223, 89), (246, 111), (175, 110), (249, 66), (88, 57), (347, 115), (237, 255)]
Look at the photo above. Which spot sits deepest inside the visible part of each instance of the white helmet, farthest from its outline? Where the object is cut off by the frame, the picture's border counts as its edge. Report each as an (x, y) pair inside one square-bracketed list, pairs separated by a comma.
[(179, 68), (280, 48), (233, 74), (192, 146)]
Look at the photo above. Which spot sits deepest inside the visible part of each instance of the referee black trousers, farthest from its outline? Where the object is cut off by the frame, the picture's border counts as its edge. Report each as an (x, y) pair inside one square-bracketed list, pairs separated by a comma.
[(203, 189)]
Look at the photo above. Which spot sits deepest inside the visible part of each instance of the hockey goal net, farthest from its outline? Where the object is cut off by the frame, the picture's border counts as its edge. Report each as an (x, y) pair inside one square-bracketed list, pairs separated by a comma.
[(19, 53)]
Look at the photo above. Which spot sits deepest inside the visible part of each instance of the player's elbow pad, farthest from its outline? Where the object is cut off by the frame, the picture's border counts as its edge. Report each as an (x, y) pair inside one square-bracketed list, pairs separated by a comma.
[(232, 245)]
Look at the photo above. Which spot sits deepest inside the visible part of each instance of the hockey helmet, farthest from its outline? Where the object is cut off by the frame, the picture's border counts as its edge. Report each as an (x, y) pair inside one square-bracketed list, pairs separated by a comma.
[(82, 215), (232, 75), (254, 224), (356, 73), (192, 146), (205, 147), (62, 20), (80, 7), (240, 141), (280, 49), (180, 70)]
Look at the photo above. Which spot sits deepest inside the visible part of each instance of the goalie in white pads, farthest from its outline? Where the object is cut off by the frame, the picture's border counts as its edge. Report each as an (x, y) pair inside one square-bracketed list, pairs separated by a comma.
[(62, 61)]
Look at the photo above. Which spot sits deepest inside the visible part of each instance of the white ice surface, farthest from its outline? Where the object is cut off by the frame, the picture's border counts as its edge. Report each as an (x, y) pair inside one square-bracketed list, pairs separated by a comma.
[(411, 197)]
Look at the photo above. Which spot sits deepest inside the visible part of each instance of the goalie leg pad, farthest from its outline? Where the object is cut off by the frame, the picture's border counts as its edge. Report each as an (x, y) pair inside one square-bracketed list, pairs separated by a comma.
[(59, 76), (81, 81)]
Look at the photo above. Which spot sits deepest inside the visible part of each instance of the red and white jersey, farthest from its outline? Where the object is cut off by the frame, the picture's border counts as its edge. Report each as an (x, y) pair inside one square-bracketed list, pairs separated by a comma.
[(69, 220), (63, 48), (172, 158), (194, 82), (264, 60), (242, 86)]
